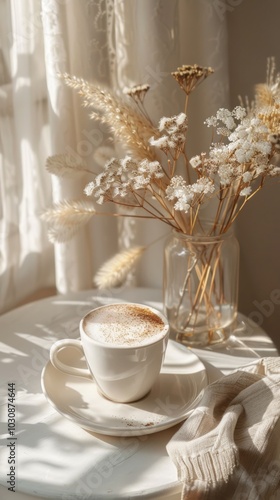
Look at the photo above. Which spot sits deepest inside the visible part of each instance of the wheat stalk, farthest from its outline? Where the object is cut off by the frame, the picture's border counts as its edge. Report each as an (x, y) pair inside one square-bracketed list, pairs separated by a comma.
[(127, 123), (115, 270)]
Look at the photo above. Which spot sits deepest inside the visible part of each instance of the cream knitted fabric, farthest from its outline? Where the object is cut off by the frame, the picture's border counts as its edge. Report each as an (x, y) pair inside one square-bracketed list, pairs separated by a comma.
[(229, 446)]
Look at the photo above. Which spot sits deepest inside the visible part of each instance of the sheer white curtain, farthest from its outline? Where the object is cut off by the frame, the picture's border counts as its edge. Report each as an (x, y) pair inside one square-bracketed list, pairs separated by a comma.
[(26, 257), (112, 42)]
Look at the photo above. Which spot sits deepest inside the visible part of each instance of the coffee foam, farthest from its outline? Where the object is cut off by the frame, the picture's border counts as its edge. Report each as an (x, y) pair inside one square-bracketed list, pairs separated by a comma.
[(124, 325)]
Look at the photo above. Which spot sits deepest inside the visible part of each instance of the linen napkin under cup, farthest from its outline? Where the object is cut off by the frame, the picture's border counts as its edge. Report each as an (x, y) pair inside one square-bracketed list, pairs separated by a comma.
[(229, 446)]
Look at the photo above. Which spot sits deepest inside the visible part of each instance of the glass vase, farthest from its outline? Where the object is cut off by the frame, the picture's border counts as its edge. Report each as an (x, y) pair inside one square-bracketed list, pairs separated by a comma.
[(200, 286)]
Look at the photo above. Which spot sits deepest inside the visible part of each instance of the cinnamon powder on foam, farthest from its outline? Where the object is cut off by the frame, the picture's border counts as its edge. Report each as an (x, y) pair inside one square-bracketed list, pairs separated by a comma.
[(126, 325)]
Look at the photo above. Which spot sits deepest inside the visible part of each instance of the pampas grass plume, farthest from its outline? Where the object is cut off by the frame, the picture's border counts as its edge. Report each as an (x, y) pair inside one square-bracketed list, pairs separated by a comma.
[(114, 272), (66, 217), (65, 165)]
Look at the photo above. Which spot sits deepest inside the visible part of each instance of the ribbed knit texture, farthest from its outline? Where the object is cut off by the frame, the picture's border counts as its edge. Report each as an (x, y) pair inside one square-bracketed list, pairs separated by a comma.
[(229, 446)]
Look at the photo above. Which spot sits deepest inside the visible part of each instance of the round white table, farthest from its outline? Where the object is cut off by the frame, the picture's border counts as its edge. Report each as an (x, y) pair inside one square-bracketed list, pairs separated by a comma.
[(54, 457)]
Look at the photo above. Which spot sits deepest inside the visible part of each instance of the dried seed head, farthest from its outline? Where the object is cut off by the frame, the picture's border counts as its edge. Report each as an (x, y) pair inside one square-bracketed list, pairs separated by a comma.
[(138, 92), (189, 76)]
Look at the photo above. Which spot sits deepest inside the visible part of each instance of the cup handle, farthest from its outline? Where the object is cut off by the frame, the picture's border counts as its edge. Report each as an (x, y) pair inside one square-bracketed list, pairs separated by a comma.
[(71, 370)]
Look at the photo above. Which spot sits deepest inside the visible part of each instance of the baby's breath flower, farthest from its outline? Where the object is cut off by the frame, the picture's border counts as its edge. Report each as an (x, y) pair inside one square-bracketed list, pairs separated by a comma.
[(226, 174), (239, 112), (195, 161), (89, 188), (263, 147), (260, 169), (247, 176), (182, 120), (123, 176), (225, 116), (245, 191), (126, 164), (244, 154), (176, 187), (211, 121), (151, 168), (223, 131), (274, 171), (173, 133), (182, 205), (100, 198), (175, 124), (161, 143), (187, 194), (203, 185)]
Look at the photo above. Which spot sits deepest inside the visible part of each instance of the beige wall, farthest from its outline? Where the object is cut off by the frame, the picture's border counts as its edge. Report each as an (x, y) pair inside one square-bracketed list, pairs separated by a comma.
[(254, 35)]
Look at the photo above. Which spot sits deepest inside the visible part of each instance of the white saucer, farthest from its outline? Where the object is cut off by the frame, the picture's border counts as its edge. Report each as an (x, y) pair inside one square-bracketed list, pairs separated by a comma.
[(178, 389)]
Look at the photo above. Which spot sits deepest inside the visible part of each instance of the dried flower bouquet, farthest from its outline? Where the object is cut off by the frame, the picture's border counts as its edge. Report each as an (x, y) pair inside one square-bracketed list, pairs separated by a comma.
[(146, 182)]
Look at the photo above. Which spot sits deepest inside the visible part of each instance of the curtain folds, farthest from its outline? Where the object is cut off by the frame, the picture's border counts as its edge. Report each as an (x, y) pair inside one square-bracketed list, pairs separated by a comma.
[(26, 257), (114, 43)]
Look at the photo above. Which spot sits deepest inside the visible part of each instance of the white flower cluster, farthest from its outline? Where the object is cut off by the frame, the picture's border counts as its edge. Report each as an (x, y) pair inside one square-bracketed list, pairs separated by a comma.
[(123, 176), (227, 118), (173, 133), (187, 195), (245, 157), (237, 163), (250, 140)]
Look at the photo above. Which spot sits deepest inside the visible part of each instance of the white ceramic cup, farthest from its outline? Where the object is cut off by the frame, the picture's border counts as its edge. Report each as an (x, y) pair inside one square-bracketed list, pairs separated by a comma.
[(126, 366)]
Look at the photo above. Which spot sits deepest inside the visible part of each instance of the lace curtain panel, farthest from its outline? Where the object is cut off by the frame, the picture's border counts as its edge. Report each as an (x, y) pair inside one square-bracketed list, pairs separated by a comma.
[(115, 43)]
